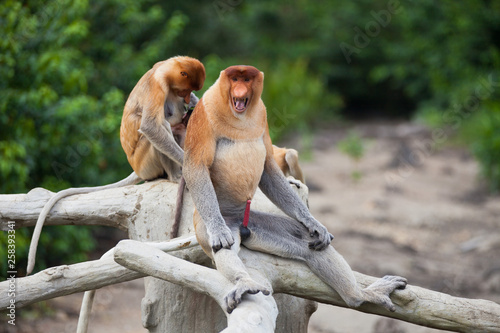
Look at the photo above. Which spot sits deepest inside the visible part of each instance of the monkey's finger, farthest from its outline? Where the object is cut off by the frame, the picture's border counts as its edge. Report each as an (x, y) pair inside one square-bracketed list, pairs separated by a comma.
[(398, 281), (319, 245), (315, 245), (313, 233), (387, 303), (227, 242), (231, 301)]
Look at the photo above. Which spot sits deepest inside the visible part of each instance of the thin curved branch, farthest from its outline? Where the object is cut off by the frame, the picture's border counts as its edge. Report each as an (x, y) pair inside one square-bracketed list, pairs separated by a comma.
[(70, 279)]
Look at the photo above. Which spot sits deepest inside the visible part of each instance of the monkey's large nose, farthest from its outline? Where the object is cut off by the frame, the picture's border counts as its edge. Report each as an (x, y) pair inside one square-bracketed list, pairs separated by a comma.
[(240, 91), (186, 94)]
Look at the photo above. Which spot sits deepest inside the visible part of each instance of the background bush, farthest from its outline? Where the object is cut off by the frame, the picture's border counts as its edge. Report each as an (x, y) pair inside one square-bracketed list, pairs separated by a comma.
[(67, 67)]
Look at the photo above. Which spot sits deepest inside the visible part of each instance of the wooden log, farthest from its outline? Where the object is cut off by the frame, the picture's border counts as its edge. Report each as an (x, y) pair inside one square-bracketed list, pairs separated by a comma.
[(414, 304)]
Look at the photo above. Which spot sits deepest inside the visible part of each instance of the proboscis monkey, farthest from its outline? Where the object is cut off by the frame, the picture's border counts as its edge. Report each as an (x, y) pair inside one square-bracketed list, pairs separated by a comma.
[(154, 107), (228, 153), (288, 162)]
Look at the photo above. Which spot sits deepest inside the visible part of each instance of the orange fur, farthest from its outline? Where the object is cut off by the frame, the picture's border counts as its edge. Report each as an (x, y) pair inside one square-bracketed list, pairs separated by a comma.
[(161, 83), (215, 119), (288, 161)]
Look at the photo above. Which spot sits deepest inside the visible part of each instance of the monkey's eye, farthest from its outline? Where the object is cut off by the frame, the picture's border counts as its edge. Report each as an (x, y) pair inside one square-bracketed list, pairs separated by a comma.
[(184, 74), (247, 79), (234, 79)]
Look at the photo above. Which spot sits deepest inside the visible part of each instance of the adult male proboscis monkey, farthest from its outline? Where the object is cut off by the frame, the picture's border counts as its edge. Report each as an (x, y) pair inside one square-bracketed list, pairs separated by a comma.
[(154, 107), (228, 153)]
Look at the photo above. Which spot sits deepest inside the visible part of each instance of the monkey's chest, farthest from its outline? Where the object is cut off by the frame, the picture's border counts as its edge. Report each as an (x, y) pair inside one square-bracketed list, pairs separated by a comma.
[(237, 168)]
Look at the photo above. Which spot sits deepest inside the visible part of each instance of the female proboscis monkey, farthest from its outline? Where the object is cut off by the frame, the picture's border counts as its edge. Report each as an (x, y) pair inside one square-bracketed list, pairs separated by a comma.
[(228, 153), (155, 106)]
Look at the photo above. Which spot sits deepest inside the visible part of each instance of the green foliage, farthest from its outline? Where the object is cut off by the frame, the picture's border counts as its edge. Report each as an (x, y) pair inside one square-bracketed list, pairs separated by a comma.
[(447, 59), (284, 112), (483, 135), (58, 245), (354, 147), (66, 68)]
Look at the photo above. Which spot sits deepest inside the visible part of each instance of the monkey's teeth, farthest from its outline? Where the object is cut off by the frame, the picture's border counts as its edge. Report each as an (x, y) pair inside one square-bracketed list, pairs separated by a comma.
[(240, 104)]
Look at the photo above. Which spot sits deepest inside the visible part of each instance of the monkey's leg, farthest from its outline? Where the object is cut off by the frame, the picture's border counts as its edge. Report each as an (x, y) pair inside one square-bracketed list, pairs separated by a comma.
[(288, 238), (332, 268), (229, 264), (145, 161)]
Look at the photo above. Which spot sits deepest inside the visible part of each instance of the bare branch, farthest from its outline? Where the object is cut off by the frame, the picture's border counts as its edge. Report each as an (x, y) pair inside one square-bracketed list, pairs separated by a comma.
[(414, 304), (69, 279), (133, 206), (114, 207), (256, 314)]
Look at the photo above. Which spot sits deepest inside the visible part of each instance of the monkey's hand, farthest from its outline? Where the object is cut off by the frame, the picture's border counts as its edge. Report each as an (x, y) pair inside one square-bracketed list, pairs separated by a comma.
[(322, 238), (220, 236)]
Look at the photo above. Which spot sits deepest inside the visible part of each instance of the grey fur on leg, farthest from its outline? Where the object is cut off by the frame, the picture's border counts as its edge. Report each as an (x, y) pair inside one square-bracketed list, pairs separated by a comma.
[(276, 187), (230, 265), (288, 238)]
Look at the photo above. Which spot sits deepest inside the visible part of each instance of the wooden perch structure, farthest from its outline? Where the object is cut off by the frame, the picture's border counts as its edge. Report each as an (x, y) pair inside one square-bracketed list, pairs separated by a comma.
[(146, 211)]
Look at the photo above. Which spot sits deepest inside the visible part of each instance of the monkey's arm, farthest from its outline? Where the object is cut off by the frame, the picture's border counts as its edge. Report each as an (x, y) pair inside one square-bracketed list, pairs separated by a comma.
[(154, 127), (193, 101), (205, 200), (200, 148), (276, 187)]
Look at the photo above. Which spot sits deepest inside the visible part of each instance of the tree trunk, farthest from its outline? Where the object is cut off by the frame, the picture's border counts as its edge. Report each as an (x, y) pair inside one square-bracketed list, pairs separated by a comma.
[(168, 307)]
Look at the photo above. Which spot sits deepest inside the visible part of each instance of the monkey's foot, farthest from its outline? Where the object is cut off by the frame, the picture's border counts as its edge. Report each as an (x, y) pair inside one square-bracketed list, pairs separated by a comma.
[(379, 291), (243, 286)]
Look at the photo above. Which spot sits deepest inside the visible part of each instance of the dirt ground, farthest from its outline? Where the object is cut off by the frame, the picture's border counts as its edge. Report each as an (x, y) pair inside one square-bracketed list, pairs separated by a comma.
[(416, 210)]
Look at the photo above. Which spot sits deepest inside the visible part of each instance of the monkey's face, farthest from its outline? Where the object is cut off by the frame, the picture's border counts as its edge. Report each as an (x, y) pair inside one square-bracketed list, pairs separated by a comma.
[(244, 85), (188, 75)]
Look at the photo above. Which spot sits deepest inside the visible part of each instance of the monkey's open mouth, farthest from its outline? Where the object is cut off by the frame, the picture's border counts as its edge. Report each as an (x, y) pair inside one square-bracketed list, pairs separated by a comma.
[(240, 104)]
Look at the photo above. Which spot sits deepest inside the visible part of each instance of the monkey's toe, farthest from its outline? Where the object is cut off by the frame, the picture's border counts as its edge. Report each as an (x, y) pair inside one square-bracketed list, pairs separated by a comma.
[(216, 248), (243, 286), (232, 300), (391, 307), (398, 281)]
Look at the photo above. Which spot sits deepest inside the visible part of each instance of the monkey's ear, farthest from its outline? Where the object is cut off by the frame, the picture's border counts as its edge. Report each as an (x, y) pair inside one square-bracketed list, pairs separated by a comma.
[(224, 85)]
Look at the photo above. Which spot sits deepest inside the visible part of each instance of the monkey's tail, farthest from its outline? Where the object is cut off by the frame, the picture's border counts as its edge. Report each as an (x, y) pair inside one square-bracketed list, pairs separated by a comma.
[(292, 159), (130, 180), (178, 208)]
